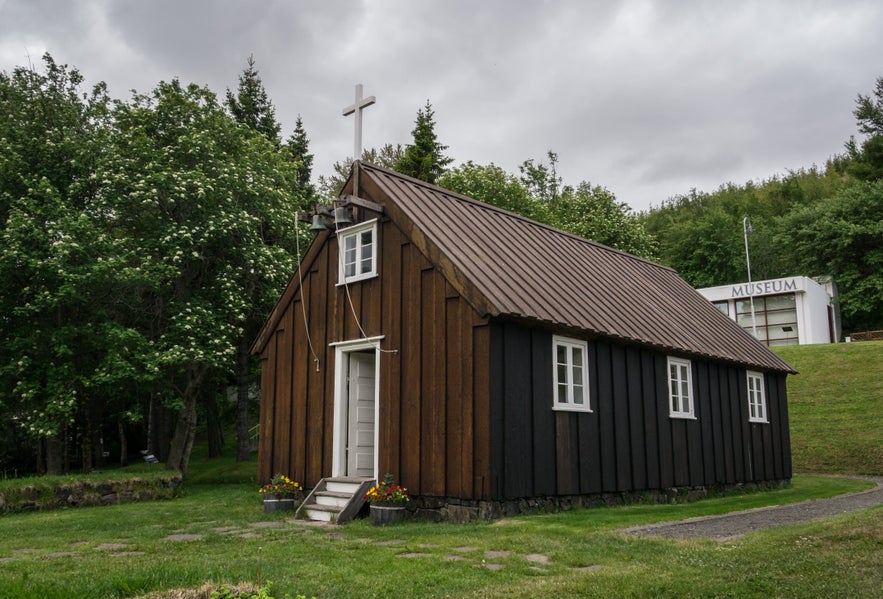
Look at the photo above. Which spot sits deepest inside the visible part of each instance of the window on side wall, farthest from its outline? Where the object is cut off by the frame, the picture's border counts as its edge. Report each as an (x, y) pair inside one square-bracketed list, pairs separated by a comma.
[(756, 398), (570, 374), (680, 388), (358, 252)]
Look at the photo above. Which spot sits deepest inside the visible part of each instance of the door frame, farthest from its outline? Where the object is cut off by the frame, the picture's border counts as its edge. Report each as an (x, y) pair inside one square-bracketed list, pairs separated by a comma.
[(342, 349)]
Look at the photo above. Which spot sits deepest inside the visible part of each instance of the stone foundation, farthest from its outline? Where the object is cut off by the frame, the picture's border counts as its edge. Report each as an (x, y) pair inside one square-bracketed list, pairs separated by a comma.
[(449, 509)]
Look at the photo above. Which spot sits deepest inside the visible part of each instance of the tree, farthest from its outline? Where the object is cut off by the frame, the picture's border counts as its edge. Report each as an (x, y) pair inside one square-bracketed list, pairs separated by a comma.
[(203, 206), (843, 237), (298, 148), (424, 159), (867, 159), (493, 185), (592, 212), (541, 181), (587, 211), (251, 106), (60, 348), (387, 156)]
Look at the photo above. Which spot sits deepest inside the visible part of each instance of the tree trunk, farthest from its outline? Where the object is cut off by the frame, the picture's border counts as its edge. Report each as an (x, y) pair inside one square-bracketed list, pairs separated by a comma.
[(86, 439), (124, 446), (151, 425), (54, 459), (185, 428), (158, 429), (243, 450), (214, 431)]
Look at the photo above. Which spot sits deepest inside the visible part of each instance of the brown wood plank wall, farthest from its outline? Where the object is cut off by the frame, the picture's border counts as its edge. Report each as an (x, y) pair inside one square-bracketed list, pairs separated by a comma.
[(434, 404), (628, 442)]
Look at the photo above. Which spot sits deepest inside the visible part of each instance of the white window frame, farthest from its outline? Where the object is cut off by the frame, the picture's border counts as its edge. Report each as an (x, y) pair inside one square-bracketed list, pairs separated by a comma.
[(570, 405), (355, 232), (682, 366), (757, 411)]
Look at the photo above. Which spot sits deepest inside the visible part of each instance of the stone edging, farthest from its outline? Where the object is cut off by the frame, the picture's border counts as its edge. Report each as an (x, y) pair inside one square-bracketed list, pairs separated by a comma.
[(63, 494)]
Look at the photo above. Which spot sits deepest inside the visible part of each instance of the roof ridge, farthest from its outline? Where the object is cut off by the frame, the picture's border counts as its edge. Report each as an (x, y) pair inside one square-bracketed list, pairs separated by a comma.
[(484, 205)]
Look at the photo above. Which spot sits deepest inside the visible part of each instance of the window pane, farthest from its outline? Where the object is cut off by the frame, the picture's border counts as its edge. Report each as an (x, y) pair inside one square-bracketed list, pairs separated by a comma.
[(562, 393), (562, 373), (562, 354), (781, 302), (577, 375), (578, 394)]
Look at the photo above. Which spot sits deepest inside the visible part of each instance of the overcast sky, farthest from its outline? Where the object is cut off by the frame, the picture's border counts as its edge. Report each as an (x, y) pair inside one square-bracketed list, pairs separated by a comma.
[(648, 99)]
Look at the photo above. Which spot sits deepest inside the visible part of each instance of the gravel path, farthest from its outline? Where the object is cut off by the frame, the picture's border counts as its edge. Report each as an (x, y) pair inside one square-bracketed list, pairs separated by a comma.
[(736, 524)]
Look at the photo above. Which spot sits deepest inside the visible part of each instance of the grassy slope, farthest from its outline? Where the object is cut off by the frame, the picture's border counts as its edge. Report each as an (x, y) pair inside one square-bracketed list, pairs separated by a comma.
[(836, 407)]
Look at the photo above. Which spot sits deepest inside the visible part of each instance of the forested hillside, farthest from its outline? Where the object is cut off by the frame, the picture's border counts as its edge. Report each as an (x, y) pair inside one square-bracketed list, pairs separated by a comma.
[(816, 221)]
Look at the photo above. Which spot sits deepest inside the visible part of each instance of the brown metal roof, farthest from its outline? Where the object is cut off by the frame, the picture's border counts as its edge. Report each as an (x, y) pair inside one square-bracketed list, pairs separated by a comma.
[(509, 265)]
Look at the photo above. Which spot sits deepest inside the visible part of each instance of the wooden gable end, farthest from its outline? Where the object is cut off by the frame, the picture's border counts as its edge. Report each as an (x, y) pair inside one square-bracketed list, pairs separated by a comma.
[(433, 383)]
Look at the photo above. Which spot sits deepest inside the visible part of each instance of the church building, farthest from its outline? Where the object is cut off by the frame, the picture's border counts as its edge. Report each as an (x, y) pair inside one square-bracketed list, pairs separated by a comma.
[(491, 362)]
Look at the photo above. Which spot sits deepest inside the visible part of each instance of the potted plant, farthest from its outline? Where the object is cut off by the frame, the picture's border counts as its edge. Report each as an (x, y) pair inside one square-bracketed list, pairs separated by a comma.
[(387, 500), (281, 493)]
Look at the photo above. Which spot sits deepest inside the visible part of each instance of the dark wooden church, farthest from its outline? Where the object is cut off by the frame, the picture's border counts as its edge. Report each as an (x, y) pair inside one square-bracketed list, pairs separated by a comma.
[(484, 358)]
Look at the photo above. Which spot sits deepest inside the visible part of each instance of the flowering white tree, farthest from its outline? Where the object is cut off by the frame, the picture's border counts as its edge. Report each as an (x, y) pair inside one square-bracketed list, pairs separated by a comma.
[(206, 210)]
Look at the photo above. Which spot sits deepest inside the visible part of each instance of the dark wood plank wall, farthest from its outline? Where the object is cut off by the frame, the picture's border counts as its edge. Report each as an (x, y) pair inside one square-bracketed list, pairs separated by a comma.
[(434, 386), (628, 442)]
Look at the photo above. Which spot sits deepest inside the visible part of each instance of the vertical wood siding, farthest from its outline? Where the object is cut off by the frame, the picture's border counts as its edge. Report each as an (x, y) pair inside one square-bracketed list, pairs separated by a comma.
[(628, 442), (433, 421)]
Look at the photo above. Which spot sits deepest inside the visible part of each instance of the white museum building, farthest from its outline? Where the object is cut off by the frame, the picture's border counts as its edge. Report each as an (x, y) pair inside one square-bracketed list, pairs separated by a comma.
[(788, 311)]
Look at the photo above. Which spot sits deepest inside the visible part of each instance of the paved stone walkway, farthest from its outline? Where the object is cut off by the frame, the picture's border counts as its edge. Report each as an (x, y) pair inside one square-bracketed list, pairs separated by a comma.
[(735, 524)]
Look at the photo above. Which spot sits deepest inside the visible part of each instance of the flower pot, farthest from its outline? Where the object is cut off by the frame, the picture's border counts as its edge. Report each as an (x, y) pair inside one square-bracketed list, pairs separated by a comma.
[(273, 503), (382, 515)]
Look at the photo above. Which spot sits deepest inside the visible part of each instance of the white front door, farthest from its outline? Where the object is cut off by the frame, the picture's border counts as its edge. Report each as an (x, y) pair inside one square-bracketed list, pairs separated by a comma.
[(361, 414)]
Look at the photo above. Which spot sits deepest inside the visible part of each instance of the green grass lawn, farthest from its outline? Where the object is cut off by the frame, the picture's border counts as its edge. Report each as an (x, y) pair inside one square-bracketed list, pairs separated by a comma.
[(131, 549), (836, 407), (216, 532)]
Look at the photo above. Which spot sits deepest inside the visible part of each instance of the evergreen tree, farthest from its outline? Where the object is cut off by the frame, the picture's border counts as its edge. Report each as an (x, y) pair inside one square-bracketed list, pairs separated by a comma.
[(251, 106), (298, 148), (424, 159), (866, 160)]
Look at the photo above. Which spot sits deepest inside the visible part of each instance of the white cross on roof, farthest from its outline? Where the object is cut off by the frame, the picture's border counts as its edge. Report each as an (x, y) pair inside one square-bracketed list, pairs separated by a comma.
[(357, 107)]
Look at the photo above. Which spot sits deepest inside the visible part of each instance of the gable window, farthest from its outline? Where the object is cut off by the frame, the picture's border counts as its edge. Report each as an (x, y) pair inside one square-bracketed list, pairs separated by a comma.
[(680, 388), (571, 374), (756, 399), (358, 247)]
